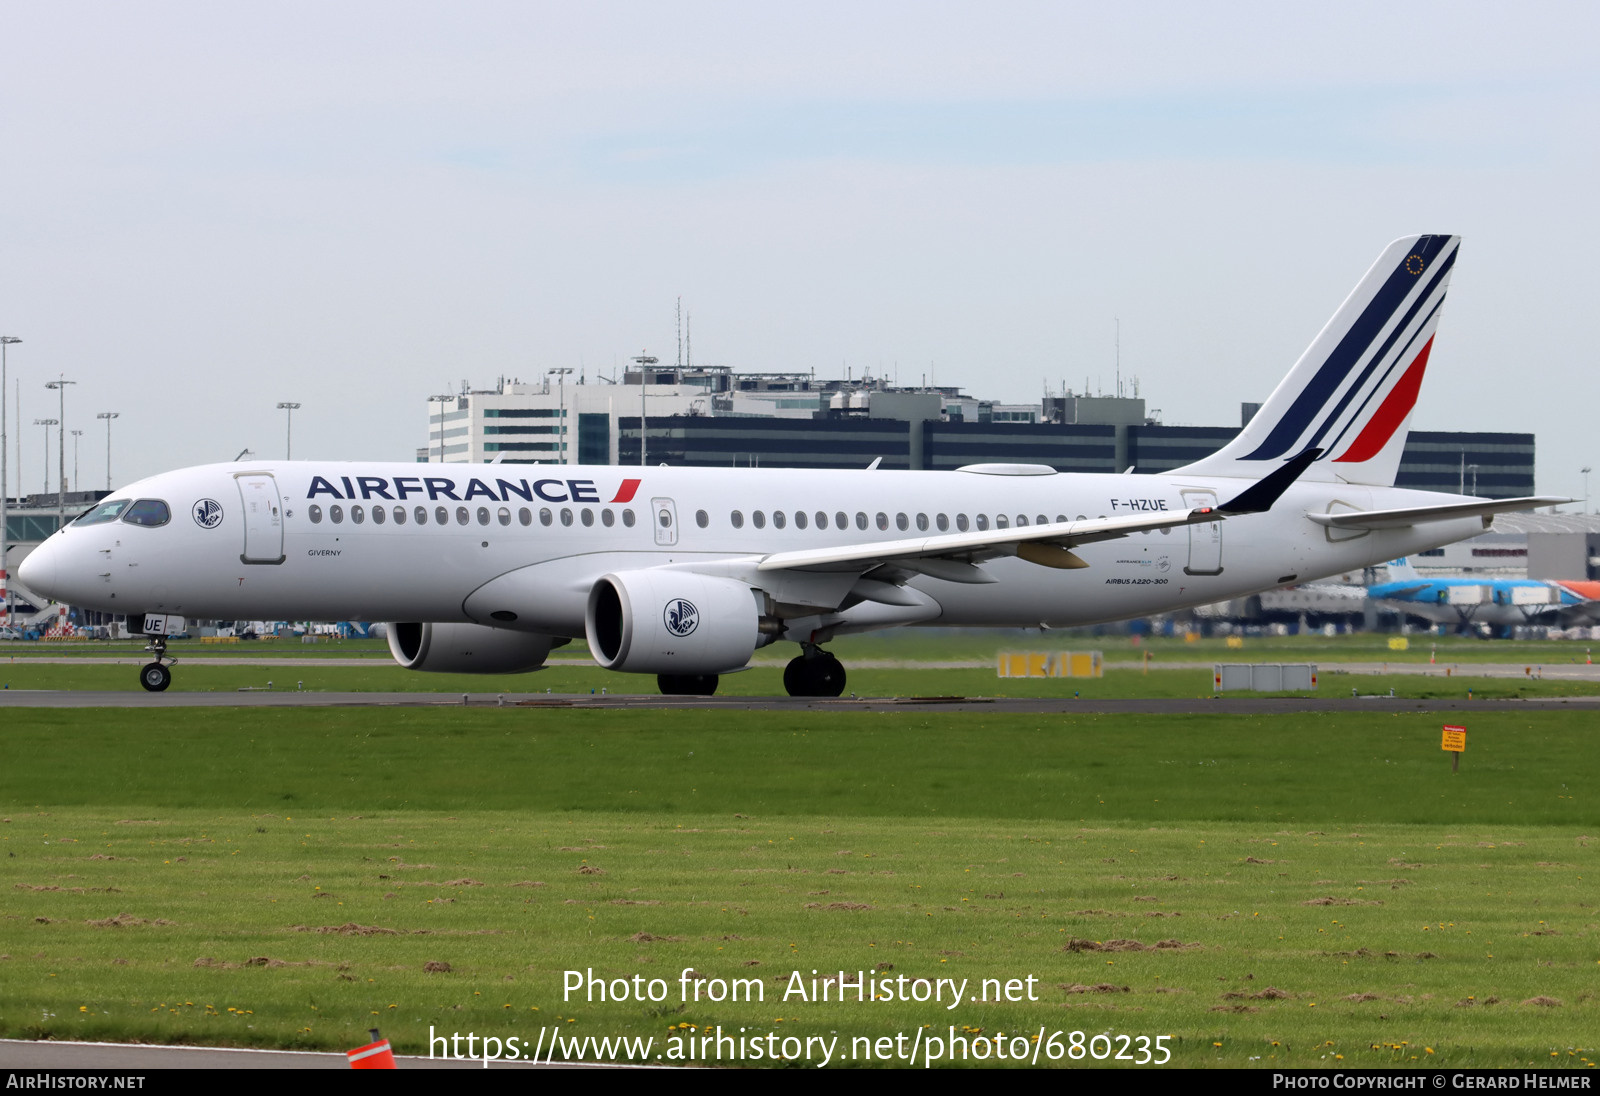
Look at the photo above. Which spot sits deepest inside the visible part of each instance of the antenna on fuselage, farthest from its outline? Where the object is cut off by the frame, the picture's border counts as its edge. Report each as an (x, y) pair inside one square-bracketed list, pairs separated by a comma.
[(243, 453)]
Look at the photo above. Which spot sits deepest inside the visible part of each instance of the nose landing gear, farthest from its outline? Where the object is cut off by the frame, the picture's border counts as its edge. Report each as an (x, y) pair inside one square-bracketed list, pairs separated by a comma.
[(154, 676), (814, 673)]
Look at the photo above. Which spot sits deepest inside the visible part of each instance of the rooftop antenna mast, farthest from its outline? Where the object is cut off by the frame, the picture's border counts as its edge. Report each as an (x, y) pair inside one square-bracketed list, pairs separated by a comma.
[(680, 332), (1119, 356)]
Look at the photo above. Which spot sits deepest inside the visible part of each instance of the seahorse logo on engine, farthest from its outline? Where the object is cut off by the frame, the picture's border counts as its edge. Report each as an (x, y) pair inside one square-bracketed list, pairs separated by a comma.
[(680, 617)]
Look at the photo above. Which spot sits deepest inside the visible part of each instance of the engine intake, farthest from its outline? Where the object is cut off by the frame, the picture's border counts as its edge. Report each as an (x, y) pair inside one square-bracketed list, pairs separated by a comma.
[(673, 622), (467, 648)]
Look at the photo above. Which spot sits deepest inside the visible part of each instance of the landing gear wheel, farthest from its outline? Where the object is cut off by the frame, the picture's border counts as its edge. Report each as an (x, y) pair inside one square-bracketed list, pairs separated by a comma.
[(155, 677), (687, 684), (814, 675)]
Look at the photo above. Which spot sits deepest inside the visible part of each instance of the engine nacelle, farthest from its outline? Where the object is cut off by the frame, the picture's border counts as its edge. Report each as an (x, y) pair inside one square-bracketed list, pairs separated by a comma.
[(467, 648), (673, 622)]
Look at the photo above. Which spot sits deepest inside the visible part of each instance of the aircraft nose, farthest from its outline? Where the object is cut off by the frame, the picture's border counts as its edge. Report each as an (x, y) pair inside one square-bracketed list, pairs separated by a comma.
[(38, 571)]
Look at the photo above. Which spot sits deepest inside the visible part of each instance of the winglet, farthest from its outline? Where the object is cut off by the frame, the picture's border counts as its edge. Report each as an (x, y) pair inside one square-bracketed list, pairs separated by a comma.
[(1259, 496)]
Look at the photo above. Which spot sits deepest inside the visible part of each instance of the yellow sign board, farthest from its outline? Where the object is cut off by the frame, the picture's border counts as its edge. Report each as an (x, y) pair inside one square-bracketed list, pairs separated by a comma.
[(1399, 643), (1455, 739)]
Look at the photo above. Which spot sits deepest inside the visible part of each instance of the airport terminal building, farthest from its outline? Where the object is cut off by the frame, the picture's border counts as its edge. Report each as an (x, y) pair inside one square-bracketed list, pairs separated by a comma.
[(714, 417)]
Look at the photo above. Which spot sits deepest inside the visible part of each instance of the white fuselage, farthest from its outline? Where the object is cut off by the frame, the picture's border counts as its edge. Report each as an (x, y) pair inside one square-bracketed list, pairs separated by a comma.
[(458, 543)]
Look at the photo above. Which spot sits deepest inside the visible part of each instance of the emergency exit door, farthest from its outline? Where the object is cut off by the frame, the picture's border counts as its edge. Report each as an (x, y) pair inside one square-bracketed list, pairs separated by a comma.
[(263, 518), (1205, 539)]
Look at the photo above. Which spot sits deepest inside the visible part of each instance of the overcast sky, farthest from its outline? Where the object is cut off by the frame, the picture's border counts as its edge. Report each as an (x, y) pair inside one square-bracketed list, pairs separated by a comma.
[(206, 209)]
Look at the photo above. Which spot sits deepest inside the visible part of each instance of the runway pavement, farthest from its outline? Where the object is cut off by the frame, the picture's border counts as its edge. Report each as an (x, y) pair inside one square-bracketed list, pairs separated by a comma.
[(1231, 705)]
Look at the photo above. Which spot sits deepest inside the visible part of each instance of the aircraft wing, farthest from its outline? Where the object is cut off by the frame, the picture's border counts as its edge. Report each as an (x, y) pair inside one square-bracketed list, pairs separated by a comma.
[(1418, 515), (1048, 545)]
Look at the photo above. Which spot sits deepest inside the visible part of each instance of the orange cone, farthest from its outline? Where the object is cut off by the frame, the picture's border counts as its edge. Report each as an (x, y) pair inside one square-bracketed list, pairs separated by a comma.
[(375, 1055)]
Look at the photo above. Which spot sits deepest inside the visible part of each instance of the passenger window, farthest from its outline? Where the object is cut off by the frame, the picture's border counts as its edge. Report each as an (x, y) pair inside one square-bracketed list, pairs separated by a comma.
[(1061, 518), (799, 519), (441, 515), (358, 514), (1001, 521), (983, 522), (922, 522), (504, 515), (399, 515), (701, 518), (587, 517), (378, 516), (108, 511), (901, 522), (961, 522), (421, 514), (314, 512), (883, 520), (777, 519), (148, 512), (566, 517), (861, 520), (758, 519), (336, 514), (463, 515), (737, 519), (545, 516), (1041, 520), (1022, 520), (483, 515), (822, 519), (627, 518), (1080, 517), (943, 522), (525, 516), (607, 518), (665, 518)]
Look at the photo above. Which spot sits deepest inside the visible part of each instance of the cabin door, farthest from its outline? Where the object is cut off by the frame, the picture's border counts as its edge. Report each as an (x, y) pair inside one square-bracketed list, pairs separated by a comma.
[(263, 518), (1205, 539)]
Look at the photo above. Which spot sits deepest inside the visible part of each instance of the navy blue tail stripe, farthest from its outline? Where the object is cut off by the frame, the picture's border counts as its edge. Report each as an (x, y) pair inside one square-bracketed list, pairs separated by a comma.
[(1382, 355), (1316, 395), (1403, 355)]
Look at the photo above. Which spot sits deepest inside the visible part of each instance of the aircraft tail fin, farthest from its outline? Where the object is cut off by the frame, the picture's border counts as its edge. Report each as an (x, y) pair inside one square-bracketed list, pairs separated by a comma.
[(1400, 570), (1352, 392)]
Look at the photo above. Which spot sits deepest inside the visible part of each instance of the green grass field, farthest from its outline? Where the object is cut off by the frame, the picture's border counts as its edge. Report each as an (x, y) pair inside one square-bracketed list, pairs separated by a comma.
[(1303, 890)]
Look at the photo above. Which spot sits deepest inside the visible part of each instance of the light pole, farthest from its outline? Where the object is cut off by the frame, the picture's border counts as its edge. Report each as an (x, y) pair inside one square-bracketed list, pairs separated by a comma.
[(288, 441), (644, 360), (76, 434), (108, 416), (561, 414), (5, 489), (1586, 471), (47, 424), (440, 400), (60, 385)]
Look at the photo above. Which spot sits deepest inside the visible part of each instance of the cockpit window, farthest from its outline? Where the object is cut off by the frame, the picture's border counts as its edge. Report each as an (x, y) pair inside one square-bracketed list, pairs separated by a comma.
[(148, 512), (106, 511)]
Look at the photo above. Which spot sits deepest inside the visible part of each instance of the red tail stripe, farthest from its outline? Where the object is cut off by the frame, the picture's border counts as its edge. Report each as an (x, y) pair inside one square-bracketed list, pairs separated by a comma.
[(1396, 406), (626, 491)]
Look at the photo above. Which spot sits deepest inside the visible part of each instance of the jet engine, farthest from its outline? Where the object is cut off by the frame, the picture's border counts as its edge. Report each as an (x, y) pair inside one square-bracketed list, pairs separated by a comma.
[(675, 622), (467, 648)]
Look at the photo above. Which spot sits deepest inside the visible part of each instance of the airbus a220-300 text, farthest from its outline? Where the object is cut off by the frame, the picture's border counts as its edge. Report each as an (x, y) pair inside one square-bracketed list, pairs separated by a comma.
[(686, 572)]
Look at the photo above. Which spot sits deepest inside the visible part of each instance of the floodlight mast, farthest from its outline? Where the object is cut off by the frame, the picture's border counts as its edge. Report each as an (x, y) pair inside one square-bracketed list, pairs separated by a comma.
[(6, 341), (108, 416), (644, 360), (288, 439), (60, 385)]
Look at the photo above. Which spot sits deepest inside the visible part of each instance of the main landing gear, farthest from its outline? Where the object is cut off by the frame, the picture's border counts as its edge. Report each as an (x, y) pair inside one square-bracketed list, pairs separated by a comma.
[(687, 684), (154, 676), (814, 673)]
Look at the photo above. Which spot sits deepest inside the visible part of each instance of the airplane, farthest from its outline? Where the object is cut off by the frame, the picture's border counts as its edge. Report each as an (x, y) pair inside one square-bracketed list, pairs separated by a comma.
[(686, 572), (1497, 602)]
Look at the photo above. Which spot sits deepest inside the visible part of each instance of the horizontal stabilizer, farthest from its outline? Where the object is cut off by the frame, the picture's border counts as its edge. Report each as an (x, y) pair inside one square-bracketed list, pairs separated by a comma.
[(1419, 515)]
